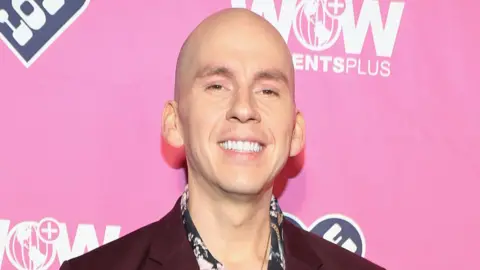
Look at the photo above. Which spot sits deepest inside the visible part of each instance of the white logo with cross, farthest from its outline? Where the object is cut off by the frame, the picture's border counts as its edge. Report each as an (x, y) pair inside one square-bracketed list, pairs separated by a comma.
[(30, 244)]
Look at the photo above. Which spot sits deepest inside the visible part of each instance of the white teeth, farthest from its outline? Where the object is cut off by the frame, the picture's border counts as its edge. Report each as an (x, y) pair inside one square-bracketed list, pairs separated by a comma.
[(241, 146)]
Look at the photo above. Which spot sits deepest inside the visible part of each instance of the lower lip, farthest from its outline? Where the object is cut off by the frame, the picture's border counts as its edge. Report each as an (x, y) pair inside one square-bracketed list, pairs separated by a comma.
[(243, 156)]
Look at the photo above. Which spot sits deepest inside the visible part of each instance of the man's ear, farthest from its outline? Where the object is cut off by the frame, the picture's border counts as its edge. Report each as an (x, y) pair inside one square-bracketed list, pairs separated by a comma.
[(171, 129), (298, 138)]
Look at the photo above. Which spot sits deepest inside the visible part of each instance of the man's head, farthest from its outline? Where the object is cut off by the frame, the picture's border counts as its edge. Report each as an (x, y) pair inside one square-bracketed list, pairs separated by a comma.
[(234, 108)]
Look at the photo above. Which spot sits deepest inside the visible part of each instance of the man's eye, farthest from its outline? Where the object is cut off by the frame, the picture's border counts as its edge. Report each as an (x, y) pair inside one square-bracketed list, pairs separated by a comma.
[(215, 87), (269, 92)]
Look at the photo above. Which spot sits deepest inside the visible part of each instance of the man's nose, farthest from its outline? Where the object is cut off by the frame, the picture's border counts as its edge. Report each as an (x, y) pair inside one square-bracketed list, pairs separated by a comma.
[(244, 108)]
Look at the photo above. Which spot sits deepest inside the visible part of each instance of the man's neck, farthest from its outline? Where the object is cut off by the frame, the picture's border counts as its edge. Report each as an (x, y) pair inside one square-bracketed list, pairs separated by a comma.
[(233, 230)]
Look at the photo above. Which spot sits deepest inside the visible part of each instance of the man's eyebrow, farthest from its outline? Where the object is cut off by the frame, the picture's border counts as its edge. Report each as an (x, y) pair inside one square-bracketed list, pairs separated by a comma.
[(266, 74), (209, 70), (272, 74)]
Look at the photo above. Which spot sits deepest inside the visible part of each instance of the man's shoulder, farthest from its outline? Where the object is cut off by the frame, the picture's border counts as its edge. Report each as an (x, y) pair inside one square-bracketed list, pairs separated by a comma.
[(126, 250), (332, 255)]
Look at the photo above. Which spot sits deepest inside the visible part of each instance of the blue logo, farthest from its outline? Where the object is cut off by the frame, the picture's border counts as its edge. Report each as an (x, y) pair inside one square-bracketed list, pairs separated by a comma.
[(29, 27), (337, 229)]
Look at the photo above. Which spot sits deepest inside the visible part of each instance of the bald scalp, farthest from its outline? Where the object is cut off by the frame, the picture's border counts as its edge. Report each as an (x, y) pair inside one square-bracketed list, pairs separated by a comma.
[(230, 19)]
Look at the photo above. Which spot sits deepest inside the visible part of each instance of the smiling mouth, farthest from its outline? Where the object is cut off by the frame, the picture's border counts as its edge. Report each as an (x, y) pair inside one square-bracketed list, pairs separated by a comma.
[(242, 146)]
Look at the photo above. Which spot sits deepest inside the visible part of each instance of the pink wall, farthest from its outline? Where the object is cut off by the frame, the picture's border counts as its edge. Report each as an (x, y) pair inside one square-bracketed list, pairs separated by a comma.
[(394, 155)]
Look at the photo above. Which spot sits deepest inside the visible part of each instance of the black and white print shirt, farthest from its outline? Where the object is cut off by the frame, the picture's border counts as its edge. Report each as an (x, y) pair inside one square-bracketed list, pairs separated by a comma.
[(206, 261)]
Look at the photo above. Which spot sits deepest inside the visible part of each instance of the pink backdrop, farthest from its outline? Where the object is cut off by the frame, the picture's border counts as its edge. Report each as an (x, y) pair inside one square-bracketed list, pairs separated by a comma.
[(395, 153)]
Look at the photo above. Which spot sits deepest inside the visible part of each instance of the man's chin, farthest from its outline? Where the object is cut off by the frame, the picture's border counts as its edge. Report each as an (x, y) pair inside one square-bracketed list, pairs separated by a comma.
[(243, 191)]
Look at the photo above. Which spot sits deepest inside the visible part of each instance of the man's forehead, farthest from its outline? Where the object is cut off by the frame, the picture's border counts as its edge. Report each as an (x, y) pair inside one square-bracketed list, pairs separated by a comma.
[(249, 60)]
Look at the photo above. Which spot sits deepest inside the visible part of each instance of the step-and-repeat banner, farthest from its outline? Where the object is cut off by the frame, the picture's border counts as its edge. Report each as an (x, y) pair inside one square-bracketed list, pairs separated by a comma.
[(389, 90)]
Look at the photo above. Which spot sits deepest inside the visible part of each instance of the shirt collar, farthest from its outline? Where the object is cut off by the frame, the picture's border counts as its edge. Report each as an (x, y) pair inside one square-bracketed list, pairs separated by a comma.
[(206, 260)]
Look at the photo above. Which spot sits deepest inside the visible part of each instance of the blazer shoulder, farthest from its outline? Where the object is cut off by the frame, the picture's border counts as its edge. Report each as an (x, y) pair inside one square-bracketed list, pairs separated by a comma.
[(332, 255), (129, 249)]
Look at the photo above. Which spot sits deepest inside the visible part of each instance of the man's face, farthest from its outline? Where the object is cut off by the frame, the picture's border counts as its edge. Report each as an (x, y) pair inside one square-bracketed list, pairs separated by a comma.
[(237, 115)]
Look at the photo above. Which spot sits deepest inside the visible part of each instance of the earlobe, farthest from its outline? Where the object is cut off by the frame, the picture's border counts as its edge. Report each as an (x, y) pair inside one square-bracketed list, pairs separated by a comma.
[(170, 125), (298, 138)]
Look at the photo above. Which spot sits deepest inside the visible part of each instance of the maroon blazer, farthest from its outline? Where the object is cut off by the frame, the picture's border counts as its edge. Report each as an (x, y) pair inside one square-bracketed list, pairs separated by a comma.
[(163, 245)]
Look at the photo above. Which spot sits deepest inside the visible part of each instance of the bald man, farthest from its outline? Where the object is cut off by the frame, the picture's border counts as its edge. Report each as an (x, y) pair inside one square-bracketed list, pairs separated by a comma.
[(234, 112)]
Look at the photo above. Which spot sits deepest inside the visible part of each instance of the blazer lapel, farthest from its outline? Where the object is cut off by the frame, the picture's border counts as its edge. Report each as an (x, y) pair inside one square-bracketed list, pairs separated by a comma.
[(298, 253), (170, 248)]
